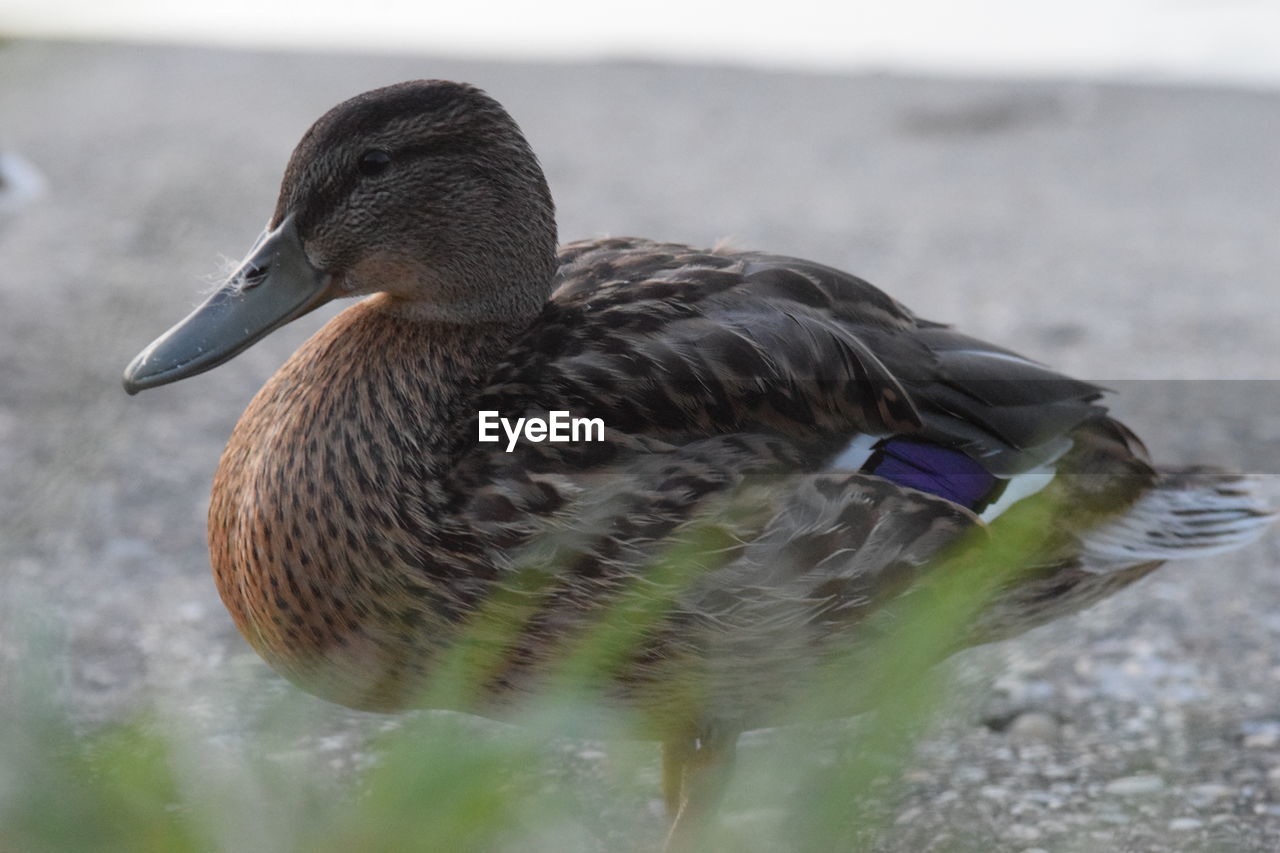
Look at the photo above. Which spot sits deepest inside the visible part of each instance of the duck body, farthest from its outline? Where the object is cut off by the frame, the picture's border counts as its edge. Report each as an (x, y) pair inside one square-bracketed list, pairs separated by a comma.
[(835, 444), (357, 522)]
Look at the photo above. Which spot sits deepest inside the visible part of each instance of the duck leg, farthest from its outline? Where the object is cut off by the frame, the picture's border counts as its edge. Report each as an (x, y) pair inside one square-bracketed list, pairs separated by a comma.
[(695, 772), (675, 756)]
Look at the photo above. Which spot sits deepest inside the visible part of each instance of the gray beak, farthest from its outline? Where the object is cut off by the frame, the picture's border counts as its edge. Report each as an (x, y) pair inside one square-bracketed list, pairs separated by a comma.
[(274, 285)]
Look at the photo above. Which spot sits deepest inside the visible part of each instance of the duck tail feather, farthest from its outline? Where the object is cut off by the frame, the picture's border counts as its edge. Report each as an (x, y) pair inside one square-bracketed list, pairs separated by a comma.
[(1188, 513)]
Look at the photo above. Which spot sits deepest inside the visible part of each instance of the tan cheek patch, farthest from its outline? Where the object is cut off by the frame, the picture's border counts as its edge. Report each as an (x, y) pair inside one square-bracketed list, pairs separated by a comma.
[(385, 273)]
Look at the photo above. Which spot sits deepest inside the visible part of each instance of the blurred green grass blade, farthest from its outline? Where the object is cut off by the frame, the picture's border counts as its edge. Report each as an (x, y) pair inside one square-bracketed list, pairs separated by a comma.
[(443, 782), (113, 791)]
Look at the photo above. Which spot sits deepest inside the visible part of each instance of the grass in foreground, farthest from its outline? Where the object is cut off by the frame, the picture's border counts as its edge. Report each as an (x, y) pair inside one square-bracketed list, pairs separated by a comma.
[(439, 783)]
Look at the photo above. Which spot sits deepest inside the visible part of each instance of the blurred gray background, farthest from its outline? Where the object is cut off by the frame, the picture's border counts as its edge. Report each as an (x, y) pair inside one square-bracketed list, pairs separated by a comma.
[(1125, 233)]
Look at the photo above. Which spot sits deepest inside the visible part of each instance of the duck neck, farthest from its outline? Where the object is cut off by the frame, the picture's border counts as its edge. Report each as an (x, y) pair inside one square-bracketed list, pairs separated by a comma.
[(428, 372)]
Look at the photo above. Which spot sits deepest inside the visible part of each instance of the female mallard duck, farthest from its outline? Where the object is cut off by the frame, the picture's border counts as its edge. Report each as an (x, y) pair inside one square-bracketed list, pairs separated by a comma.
[(838, 441)]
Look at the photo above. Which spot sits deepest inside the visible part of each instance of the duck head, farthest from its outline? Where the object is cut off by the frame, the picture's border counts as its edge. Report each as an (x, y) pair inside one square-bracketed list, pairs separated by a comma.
[(425, 191)]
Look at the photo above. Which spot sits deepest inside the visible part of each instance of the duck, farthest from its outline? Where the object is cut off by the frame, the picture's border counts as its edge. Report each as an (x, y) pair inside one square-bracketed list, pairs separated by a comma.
[(810, 448)]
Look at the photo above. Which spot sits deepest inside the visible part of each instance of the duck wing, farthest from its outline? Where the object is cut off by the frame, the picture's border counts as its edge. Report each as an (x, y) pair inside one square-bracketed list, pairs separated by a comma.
[(678, 344), (713, 372), (732, 387)]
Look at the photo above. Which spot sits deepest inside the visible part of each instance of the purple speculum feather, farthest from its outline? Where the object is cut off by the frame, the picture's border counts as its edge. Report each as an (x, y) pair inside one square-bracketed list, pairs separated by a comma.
[(937, 470)]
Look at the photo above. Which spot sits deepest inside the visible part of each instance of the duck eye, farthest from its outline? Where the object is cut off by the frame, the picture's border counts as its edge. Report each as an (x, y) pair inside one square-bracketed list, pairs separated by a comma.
[(373, 162)]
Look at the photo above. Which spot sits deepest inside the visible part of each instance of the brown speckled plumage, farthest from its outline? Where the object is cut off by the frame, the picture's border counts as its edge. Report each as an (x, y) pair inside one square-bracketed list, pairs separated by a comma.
[(357, 523)]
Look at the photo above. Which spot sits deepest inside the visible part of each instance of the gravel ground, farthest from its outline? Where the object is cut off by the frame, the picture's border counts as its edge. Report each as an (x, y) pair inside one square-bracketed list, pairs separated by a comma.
[(1127, 234)]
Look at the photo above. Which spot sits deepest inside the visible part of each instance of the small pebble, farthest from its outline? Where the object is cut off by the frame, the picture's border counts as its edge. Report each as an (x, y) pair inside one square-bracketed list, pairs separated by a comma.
[(191, 611), (1203, 795), (909, 815), (1044, 798), (1262, 740), (1184, 824), (1261, 734), (1034, 725), (1114, 818), (1019, 832), (1127, 786)]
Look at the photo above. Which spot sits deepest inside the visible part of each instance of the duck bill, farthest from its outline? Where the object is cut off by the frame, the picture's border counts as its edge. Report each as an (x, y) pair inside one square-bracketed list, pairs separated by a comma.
[(274, 285)]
